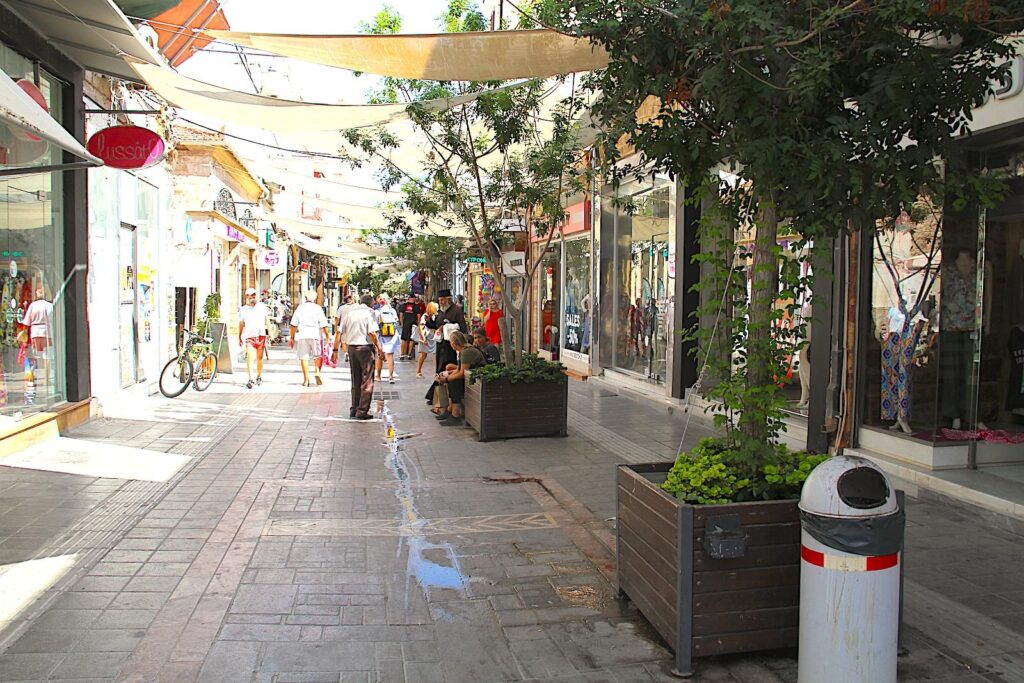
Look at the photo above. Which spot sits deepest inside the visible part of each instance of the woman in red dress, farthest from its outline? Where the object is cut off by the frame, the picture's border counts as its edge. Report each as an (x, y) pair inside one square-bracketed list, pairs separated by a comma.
[(492, 315)]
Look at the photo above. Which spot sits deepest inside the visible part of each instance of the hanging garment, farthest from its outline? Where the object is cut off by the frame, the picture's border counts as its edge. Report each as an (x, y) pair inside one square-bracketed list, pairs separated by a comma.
[(897, 359), (1015, 387)]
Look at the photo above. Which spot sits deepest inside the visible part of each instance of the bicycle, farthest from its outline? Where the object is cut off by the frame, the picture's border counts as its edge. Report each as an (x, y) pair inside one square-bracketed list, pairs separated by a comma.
[(195, 364)]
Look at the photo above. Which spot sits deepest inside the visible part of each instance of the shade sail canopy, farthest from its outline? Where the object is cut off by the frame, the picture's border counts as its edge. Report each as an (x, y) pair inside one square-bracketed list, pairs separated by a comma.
[(474, 56), (21, 111), (95, 33), (272, 113), (333, 246)]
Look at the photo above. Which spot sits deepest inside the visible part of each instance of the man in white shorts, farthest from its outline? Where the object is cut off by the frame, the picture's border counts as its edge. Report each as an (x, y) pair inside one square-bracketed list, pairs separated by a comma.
[(253, 323), (309, 330)]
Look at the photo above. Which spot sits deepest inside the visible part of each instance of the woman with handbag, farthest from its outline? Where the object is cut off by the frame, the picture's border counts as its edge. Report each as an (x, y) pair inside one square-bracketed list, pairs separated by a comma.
[(425, 338)]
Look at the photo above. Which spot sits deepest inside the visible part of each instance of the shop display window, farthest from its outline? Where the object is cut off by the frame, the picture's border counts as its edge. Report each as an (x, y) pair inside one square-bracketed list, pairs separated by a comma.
[(946, 357), (549, 301), (576, 313), (31, 260), (641, 283)]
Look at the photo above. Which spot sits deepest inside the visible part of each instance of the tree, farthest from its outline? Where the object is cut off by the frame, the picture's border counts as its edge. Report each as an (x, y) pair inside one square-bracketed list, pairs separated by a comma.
[(834, 112), (432, 254), (502, 159), (366, 279)]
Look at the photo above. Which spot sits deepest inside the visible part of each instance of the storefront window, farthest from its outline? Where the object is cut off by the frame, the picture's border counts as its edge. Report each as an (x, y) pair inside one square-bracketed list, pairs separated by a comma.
[(926, 288), (549, 301), (576, 318), (31, 261), (641, 282)]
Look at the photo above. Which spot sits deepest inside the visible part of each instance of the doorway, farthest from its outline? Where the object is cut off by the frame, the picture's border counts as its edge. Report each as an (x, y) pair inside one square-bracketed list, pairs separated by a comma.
[(128, 305)]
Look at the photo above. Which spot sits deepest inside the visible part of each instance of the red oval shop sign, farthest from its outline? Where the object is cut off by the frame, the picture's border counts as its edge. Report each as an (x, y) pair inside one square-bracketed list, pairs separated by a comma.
[(127, 146)]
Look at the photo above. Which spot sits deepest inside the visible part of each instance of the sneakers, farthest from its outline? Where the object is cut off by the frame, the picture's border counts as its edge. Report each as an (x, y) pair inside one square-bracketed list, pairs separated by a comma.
[(249, 384), (364, 417), (452, 422), (259, 381)]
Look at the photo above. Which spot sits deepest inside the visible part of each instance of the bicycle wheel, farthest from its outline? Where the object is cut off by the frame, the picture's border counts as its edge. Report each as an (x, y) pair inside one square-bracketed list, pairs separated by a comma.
[(175, 377), (205, 371)]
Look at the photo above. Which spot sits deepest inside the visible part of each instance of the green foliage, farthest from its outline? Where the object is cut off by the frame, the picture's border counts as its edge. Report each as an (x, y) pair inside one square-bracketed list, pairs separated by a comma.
[(835, 114), (211, 314), (532, 369), (366, 279), (715, 472), (508, 155), (704, 476)]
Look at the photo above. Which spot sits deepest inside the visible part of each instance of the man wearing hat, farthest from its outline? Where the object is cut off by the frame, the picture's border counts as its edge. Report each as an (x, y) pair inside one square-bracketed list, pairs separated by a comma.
[(449, 313), (253, 323)]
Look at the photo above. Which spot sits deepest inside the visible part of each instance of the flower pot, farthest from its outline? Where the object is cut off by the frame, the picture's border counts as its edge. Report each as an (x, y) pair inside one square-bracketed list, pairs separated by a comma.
[(711, 579), (503, 410)]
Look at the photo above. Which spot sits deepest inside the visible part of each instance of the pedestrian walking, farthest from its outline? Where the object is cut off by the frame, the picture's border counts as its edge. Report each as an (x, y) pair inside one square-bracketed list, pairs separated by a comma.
[(390, 337), (358, 336), (424, 337), (309, 326), (410, 310), (253, 323), (351, 301)]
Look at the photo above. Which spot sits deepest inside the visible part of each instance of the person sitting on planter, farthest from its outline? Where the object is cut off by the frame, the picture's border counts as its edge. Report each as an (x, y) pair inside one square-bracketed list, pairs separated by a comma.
[(455, 378), (492, 354)]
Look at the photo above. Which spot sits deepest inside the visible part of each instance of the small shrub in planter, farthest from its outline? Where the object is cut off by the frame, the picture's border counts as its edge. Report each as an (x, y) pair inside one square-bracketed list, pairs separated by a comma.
[(529, 399), (708, 548)]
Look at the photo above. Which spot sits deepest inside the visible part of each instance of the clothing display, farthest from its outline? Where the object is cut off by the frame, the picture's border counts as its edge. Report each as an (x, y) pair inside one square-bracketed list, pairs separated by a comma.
[(897, 358), (958, 296), (956, 354), (1015, 387)]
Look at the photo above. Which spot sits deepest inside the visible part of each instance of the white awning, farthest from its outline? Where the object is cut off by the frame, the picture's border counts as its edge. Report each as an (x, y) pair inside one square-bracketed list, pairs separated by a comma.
[(275, 114), (331, 246), (472, 56), (21, 111), (95, 33)]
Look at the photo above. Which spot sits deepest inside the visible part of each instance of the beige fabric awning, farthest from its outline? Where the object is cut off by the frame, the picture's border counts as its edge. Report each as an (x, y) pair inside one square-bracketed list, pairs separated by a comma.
[(21, 111), (332, 246), (475, 56), (272, 113), (95, 33)]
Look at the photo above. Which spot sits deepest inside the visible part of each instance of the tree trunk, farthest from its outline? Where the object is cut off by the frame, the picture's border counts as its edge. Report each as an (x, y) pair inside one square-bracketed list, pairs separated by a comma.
[(760, 368)]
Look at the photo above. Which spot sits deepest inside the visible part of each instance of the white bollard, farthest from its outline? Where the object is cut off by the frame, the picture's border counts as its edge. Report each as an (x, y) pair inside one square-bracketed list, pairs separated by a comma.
[(851, 540)]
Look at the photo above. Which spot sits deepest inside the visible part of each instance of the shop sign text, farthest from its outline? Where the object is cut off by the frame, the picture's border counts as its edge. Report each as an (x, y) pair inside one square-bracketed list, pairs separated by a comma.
[(127, 147)]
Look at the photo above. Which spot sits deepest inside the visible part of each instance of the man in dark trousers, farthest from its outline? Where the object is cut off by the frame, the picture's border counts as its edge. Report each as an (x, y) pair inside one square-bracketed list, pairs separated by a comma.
[(358, 334), (449, 313)]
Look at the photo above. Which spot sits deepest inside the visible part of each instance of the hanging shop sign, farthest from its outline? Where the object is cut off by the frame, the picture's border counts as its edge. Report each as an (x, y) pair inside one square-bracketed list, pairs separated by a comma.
[(127, 147), (304, 266), (513, 263), (475, 259), (269, 259)]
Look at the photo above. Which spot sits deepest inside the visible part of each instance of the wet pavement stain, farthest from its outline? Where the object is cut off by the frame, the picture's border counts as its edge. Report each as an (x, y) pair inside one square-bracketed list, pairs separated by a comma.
[(427, 573)]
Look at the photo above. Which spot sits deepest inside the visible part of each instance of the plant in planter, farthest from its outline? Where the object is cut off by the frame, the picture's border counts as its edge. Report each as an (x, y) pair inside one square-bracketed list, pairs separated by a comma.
[(528, 399), (812, 119)]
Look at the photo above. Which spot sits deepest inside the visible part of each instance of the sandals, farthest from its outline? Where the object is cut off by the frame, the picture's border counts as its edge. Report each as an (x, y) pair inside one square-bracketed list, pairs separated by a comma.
[(319, 381), (249, 384)]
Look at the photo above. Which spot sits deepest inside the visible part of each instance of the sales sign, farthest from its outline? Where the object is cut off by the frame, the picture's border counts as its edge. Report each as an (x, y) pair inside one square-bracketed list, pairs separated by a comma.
[(304, 266)]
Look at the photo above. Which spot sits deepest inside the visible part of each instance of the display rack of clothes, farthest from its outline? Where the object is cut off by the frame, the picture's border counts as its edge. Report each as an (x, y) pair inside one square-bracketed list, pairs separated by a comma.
[(16, 296)]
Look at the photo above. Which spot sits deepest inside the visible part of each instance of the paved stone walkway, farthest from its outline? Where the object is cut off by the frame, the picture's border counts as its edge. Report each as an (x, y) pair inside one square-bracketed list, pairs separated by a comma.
[(297, 545)]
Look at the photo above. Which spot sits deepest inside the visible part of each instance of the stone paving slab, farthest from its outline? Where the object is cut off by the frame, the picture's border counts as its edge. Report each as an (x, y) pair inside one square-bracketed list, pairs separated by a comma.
[(299, 546)]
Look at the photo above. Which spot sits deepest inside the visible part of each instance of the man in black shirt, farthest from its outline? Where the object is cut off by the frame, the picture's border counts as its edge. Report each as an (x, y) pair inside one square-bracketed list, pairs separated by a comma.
[(410, 312)]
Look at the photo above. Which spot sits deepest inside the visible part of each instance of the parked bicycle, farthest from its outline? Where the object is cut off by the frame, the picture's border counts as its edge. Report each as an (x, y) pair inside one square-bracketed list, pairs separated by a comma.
[(195, 364)]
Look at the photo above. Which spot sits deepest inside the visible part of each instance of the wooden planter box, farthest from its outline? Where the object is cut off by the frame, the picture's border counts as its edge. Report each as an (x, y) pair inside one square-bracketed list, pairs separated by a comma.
[(503, 410), (699, 604)]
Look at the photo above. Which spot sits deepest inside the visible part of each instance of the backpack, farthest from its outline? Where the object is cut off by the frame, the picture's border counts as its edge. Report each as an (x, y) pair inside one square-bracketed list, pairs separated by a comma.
[(388, 321)]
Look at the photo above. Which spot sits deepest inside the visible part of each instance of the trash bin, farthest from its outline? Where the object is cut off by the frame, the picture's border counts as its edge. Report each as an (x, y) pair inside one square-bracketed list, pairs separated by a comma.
[(851, 538)]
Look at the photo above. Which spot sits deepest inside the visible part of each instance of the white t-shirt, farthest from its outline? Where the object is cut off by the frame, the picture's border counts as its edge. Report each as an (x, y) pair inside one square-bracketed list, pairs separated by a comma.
[(358, 323), (254, 319), (309, 319), (39, 318), (343, 311)]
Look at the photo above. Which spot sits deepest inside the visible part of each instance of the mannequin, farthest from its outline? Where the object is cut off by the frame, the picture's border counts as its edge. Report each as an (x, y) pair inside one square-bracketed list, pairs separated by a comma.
[(956, 346), (898, 347), (805, 360)]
